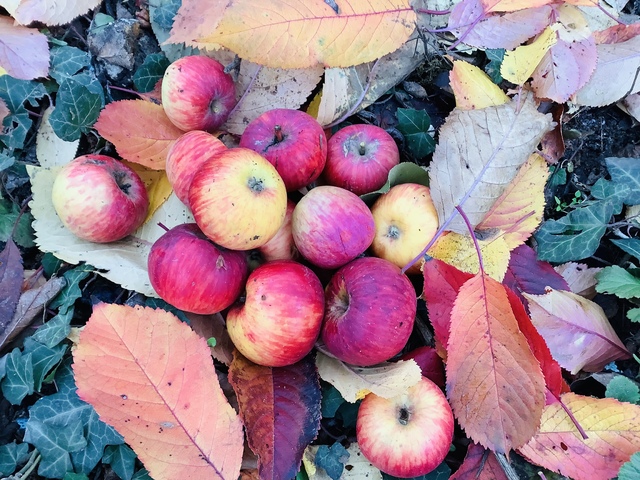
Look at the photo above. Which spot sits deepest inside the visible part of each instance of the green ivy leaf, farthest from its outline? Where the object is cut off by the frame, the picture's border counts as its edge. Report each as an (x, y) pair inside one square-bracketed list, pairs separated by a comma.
[(629, 245), (78, 106), (67, 61), (15, 129), (122, 460), (16, 93), (631, 469), (626, 171), (6, 160), (75, 476), (165, 12), (331, 400), (43, 358), (617, 281), (71, 292), (414, 125), (55, 330), (18, 380), (495, 57), (150, 72), (11, 455), (141, 474), (574, 236), (55, 459), (612, 192), (50, 263), (332, 459), (9, 213), (623, 389)]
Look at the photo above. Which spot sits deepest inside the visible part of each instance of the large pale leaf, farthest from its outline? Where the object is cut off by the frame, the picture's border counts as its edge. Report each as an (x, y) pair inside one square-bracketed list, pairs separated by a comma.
[(494, 382), (479, 154), (52, 12), (280, 408), (50, 148), (24, 52), (293, 34), (354, 383), (151, 377), (612, 427), (576, 330)]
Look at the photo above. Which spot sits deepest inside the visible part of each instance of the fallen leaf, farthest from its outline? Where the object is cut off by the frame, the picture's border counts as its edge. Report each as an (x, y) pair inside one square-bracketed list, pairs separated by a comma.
[(51, 149), (576, 330), (280, 408), (519, 64), (24, 52), (617, 33), (160, 392), (11, 272), (512, 5), (478, 155), (357, 467), (630, 104), (140, 130), (612, 427), (494, 382), (354, 383), (158, 187), (580, 277), (208, 326), (52, 12), (287, 34), (195, 19), (473, 88), (4, 110), (479, 464)]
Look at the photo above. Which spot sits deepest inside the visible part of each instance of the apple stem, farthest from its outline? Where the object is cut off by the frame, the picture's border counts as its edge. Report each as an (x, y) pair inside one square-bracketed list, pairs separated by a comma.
[(277, 133), (362, 148), (163, 226)]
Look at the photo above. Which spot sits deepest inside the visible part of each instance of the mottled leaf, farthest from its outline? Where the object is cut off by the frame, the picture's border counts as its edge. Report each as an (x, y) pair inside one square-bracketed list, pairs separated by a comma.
[(580, 277), (356, 466)]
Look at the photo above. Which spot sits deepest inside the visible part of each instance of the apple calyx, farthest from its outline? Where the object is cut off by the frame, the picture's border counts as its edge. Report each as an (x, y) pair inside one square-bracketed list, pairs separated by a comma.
[(393, 232), (256, 184), (404, 414)]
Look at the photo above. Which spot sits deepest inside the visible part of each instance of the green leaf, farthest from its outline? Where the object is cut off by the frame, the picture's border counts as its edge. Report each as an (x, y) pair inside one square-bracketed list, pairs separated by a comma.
[(50, 263), (623, 389), (122, 460), (612, 192), (43, 359), (405, 172), (9, 213), (78, 106), (71, 292), (3, 366), (574, 236), (414, 125), (11, 455), (15, 129), (633, 314), (332, 459), (617, 281), (165, 12), (18, 380), (495, 57), (55, 330), (75, 476), (150, 72), (55, 459), (331, 400), (442, 472), (141, 474), (67, 61), (6, 160), (631, 469), (16, 93), (626, 171), (629, 245)]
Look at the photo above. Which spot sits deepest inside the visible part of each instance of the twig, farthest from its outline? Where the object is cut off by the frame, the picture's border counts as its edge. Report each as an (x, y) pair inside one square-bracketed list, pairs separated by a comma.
[(506, 467)]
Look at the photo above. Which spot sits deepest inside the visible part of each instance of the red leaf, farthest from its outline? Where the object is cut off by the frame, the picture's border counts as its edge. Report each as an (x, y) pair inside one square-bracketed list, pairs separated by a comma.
[(494, 382), (479, 464), (441, 285), (11, 273), (151, 377), (280, 408)]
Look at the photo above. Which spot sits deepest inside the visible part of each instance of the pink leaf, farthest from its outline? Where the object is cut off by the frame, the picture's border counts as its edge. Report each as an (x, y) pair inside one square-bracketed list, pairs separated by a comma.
[(24, 52)]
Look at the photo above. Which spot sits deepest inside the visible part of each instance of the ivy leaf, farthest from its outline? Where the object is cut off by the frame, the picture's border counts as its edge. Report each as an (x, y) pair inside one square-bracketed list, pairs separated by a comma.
[(495, 57), (623, 389), (55, 330), (9, 213), (66, 61), (71, 292), (15, 128), (122, 460), (414, 125), (165, 12), (626, 171), (331, 400), (6, 160), (75, 476), (629, 245), (16, 93), (631, 469), (150, 72), (78, 106), (332, 459), (11, 455), (18, 380), (618, 281), (43, 359)]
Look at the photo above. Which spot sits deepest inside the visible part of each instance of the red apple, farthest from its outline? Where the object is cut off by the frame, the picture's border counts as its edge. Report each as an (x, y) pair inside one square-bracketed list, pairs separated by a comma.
[(238, 199), (282, 246), (331, 226), (406, 220), (197, 94), (191, 273), (294, 143), (99, 198), (280, 320), (408, 435), (429, 362), (370, 309), (359, 158), (186, 156)]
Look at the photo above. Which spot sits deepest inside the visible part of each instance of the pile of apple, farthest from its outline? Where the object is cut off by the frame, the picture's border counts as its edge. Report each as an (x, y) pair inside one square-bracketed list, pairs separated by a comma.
[(244, 199)]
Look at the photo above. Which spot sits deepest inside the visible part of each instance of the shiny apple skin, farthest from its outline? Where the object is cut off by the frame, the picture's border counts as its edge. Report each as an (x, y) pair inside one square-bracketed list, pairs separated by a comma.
[(282, 246), (370, 309), (331, 226), (197, 94), (406, 448), (238, 199), (300, 155), (186, 156), (406, 220), (359, 158), (429, 362), (193, 274), (99, 199), (280, 320)]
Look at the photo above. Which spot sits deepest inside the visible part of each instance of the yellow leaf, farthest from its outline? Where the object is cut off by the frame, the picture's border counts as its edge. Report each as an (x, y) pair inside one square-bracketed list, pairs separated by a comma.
[(458, 250), (314, 105), (473, 88), (519, 64), (294, 34), (511, 5), (157, 183)]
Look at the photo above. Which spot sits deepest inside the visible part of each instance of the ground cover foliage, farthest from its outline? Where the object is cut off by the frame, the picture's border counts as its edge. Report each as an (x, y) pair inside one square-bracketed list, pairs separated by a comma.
[(521, 116)]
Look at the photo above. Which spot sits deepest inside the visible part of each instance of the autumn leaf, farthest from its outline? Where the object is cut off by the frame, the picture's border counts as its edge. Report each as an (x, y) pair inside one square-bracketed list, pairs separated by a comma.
[(494, 382), (287, 416), (512, 5), (473, 88), (479, 464), (49, 147), (580, 277), (158, 187), (478, 155), (24, 52), (576, 330), (290, 34), (213, 326), (520, 63), (11, 271), (140, 130), (612, 427), (51, 12), (151, 377)]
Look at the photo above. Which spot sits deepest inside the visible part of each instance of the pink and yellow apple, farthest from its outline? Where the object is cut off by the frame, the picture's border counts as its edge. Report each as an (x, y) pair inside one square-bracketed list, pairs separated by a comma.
[(408, 435), (99, 198), (280, 320), (238, 199)]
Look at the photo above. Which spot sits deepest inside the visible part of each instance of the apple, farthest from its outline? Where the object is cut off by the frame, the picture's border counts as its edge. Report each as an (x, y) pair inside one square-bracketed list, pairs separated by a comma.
[(359, 158), (370, 308), (408, 435), (429, 362), (197, 94), (293, 141), (238, 199), (191, 273), (186, 156), (406, 220), (331, 226), (99, 198), (282, 246), (280, 320)]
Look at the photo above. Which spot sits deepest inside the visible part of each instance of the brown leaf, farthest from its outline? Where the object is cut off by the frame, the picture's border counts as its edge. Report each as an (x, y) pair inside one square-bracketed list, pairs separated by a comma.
[(208, 326)]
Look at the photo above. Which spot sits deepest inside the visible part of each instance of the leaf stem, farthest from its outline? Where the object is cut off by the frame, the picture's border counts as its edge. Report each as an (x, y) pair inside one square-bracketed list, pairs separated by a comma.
[(473, 237), (570, 414)]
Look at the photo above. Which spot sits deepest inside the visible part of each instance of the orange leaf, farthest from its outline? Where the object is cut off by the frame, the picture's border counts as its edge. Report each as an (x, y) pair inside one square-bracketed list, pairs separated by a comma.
[(151, 377), (613, 429), (140, 130), (294, 34), (494, 382)]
